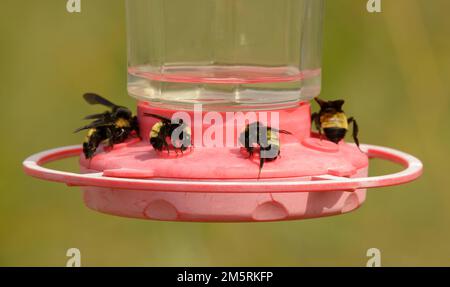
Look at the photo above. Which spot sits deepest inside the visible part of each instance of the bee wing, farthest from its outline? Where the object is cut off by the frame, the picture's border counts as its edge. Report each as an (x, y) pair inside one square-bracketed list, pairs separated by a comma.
[(95, 124), (97, 116), (95, 99), (281, 131), (157, 117)]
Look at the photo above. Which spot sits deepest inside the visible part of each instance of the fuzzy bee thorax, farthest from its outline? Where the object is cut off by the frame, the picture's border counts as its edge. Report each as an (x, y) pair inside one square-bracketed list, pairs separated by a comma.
[(122, 123), (334, 120)]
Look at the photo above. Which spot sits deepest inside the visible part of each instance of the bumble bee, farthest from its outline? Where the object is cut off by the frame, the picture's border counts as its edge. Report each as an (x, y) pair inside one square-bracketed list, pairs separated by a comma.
[(112, 126), (266, 138), (177, 132), (332, 120)]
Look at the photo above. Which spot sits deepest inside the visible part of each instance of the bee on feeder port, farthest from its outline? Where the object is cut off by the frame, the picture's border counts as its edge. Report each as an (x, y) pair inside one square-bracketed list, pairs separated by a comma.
[(112, 127), (176, 131), (267, 139), (332, 120)]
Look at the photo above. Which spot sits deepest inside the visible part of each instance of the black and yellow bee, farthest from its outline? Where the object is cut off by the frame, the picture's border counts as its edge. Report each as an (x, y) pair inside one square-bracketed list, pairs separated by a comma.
[(165, 131), (332, 120), (267, 139), (112, 127)]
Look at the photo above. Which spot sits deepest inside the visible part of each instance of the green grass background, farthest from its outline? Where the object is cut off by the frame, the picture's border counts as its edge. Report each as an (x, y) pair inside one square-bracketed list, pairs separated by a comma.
[(392, 68)]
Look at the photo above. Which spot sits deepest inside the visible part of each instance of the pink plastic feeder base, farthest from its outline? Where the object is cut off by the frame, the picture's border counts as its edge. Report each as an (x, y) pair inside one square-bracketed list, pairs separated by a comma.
[(222, 207), (312, 178)]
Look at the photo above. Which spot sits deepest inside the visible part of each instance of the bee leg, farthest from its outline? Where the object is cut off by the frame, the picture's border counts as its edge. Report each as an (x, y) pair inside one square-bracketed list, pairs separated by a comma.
[(250, 151), (315, 118), (109, 138), (261, 164), (135, 126), (163, 137), (355, 132), (166, 145), (279, 154), (122, 132)]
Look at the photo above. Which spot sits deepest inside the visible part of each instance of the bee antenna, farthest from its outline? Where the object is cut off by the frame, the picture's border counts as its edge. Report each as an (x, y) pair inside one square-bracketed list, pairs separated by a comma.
[(261, 164), (319, 101), (285, 132)]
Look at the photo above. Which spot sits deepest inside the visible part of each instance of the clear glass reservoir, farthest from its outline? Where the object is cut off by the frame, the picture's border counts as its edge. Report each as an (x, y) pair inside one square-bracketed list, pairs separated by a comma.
[(238, 54)]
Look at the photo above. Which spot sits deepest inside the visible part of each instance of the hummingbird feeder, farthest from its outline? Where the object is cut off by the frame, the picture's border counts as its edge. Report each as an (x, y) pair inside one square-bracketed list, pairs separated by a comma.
[(221, 64)]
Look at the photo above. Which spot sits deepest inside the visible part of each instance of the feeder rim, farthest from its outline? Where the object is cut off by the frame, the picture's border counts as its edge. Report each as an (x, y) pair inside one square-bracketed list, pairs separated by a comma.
[(33, 166)]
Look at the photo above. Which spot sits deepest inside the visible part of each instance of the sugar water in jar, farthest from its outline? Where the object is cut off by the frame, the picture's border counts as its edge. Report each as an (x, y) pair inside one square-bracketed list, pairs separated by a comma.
[(224, 54)]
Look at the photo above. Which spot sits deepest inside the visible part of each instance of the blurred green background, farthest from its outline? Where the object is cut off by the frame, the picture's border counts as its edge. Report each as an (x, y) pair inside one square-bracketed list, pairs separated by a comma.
[(393, 69)]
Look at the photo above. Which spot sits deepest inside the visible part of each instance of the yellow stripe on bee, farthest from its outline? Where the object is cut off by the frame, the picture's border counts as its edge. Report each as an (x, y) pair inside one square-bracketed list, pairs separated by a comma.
[(122, 123), (273, 138), (337, 120), (155, 130), (89, 134)]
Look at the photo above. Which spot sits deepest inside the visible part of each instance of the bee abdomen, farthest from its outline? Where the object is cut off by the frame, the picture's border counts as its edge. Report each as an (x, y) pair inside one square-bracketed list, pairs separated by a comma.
[(157, 143), (335, 134), (93, 138)]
